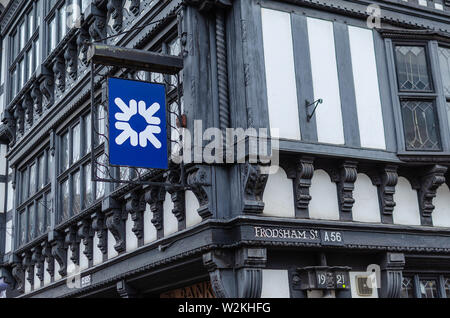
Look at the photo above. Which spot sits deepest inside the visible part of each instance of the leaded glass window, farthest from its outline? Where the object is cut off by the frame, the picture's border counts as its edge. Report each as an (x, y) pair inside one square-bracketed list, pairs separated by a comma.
[(89, 193), (412, 68), (407, 290), (76, 190), (87, 134), (32, 179), (447, 287), (76, 143), (428, 288), (65, 151), (65, 200), (23, 228), (40, 207), (444, 59), (31, 222)]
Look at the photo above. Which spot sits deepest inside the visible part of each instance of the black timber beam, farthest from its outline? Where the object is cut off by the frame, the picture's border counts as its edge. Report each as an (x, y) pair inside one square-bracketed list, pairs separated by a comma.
[(134, 59)]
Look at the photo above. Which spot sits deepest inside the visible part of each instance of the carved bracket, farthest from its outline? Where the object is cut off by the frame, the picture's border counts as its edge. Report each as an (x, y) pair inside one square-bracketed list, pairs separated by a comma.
[(430, 181), (177, 196), (135, 205), (37, 99), (19, 276), (46, 86), (28, 267), (345, 186), (59, 252), (99, 226), (97, 28), (47, 253), (38, 259), (302, 183), (82, 39), (10, 122), (60, 75), (254, 183), (70, 57), (115, 14), (199, 180), (115, 222), (19, 118), (27, 106), (86, 234), (73, 242), (155, 198)]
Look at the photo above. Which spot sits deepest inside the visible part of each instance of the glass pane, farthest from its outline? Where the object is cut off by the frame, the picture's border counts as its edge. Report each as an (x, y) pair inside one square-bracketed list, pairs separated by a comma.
[(49, 165), (32, 178), (22, 73), (89, 195), (65, 200), (40, 206), (31, 222), (420, 125), (84, 4), (101, 173), (447, 287), (76, 190), (22, 36), (37, 54), (30, 62), (444, 59), (62, 22), (30, 23), (38, 16), (407, 290), (87, 133), (24, 185), (52, 31), (23, 228), (428, 289), (76, 143), (48, 209), (412, 68), (101, 124), (41, 173), (65, 152)]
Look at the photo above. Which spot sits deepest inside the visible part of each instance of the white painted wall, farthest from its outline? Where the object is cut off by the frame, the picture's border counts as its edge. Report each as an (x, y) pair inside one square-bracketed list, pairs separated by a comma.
[(406, 211), (441, 213), (149, 229), (275, 283), (111, 242), (280, 73), (170, 221), (131, 239), (84, 262), (366, 207), (57, 268), (98, 255), (325, 81), (27, 285), (279, 195), (192, 204), (2, 197), (47, 278), (37, 281), (368, 102), (71, 267), (324, 204), (8, 237)]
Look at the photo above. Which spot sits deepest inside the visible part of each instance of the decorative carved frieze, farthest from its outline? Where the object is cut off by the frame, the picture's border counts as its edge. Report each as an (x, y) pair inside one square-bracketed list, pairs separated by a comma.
[(302, 183), (37, 99), (70, 57), (73, 242), (28, 267), (99, 226), (155, 196), (47, 253), (38, 260), (19, 276), (345, 186), (254, 183), (430, 181), (46, 86), (86, 234), (135, 205), (59, 252), (115, 222), (199, 180), (60, 75)]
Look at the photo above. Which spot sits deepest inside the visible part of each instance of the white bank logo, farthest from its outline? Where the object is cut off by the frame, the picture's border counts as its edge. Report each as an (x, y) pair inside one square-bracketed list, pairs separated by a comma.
[(130, 110)]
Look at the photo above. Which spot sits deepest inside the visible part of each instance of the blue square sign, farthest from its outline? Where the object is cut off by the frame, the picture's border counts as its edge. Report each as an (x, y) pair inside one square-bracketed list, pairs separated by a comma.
[(137, 124)]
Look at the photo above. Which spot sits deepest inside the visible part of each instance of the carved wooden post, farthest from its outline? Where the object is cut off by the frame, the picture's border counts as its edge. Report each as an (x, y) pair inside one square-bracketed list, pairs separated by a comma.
[(386, 191), (46, 86), (37, 100), (60, 75)]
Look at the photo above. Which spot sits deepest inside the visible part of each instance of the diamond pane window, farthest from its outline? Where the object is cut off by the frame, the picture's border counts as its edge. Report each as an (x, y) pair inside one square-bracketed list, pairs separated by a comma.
[(444, 59), (23, 228), (428, 289), (420, 125), (31, 222), (41, 216), (89, 194), (76, 143), (65, 200), (412, 68), (407, 290), (76, 190)]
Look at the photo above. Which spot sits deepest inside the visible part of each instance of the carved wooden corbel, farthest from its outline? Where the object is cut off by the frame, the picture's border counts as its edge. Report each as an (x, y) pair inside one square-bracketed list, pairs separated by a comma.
[(82, 40), (73, 242), (19, 275), (115, 14), (86, 234), (99, 226), (199, 179), (47, 253), (386, 191), (46, 86), (70, 57), (345, 186), (10, 122), (135, 206), (28, 266), (59, 74), (178, 197), (430, 181), (38, 260), (59, 253), (115, 222), (27, 106), (302, 183), (254, 183), (97, 22), (155, 196), (19, 118), (37, 99)]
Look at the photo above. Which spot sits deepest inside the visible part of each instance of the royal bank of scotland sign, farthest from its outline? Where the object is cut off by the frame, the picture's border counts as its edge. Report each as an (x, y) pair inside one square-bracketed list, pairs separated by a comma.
[(137, 124)]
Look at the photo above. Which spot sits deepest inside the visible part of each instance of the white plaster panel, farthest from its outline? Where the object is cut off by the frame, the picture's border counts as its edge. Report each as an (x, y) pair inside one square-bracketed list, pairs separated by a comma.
[(406, 211), (275, 284), (323, 204), (441, 213), (192, 204), (279, 195), (131, 239), (366, 207), (170, 221), (150, 234)]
